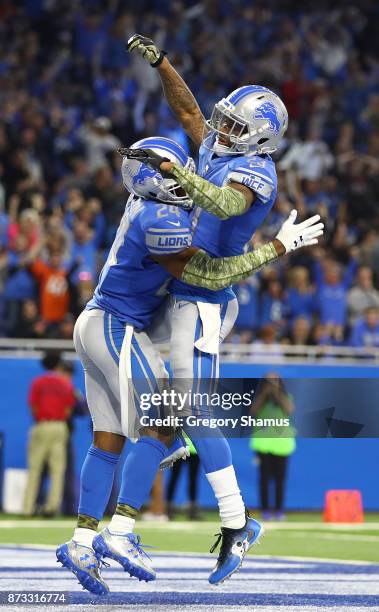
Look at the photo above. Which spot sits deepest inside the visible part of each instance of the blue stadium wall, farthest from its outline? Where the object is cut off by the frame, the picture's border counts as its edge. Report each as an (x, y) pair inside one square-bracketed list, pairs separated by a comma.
[(316, 466)]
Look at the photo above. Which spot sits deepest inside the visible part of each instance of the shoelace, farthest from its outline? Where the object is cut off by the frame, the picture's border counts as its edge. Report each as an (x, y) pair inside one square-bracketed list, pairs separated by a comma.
[(214, 546), (136, 543), (100, 561), (97, 562), (225, 536)]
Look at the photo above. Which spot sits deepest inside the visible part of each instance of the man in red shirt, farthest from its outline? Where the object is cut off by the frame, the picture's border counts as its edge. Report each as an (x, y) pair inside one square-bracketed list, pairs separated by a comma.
[(51, 399)]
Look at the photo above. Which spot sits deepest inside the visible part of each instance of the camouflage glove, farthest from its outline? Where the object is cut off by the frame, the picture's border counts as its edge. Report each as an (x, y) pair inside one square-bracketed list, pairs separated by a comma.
[(147, 48), (146, 156)]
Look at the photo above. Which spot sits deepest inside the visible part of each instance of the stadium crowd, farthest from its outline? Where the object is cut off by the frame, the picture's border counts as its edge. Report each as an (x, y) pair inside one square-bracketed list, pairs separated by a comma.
[(70, 94)]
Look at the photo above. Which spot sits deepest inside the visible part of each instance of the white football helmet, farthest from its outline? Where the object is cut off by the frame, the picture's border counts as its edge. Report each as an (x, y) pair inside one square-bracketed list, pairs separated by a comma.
[(253, 118), (145, 182)]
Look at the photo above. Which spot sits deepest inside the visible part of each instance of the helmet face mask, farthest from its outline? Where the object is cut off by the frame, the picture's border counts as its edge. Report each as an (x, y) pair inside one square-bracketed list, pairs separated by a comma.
[(225, 122), (229, 131), (171, 191), (254, 123), (145, 182)]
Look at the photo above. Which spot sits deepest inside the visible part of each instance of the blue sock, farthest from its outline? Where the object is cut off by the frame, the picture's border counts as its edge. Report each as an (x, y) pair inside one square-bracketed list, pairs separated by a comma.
[(139, 471), (214, 453), (96, 481)]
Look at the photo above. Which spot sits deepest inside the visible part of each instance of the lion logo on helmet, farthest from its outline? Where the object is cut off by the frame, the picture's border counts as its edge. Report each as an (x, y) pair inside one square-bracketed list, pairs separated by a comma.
[(268, 111), (143, 173)]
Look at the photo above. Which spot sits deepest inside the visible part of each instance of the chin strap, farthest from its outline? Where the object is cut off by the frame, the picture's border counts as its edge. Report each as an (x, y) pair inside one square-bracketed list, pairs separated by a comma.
[(224, 202), (217, 273)]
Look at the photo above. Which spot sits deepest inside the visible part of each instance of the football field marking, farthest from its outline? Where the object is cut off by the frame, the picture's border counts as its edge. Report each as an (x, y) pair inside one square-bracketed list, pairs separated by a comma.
[(267, 584), (200, 526), (33, 546)]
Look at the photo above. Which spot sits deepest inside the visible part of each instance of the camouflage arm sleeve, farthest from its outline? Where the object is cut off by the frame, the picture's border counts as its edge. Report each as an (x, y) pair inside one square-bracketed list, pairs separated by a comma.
[(224, 202), (218, 272)]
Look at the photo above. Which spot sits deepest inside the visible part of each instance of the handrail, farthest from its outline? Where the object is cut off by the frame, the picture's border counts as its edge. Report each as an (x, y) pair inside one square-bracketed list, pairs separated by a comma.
[(235, 352)]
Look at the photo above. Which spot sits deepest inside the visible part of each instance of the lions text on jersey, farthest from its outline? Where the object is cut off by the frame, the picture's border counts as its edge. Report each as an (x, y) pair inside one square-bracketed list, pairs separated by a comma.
[(229, 237), (131, 285)]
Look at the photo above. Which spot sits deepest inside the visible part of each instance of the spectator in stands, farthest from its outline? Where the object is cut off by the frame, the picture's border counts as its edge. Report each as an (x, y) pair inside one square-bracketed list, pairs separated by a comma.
[(321, 336), (311, 159), (369, 249), (273, 307), (83, 251), (272, 445), (332, 197), (363, 294), (4, 219), (300, 295), (18, 283), (247, 294), (69, 99), (267, 342), (81, 293), (313, 196), (98, 141), (365, 332), (300, 331), (54, 296), (65, 329), (31, 324), (26, 230), (332, 301), (51, 399)]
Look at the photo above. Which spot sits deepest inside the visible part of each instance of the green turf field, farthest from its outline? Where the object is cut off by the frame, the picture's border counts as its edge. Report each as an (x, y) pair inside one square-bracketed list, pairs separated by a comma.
[(303, 535)]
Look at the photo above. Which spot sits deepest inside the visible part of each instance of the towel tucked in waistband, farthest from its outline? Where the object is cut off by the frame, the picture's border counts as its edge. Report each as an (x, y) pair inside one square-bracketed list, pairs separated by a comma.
[(211, 320)]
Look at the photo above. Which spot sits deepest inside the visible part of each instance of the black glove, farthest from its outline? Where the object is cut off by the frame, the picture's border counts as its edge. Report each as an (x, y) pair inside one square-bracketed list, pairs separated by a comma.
[(147, 48), (146, 156)]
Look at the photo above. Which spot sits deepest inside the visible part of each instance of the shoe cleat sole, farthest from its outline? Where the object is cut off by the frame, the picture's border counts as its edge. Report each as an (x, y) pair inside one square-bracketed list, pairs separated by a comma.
[(256, 542), (85, 580)]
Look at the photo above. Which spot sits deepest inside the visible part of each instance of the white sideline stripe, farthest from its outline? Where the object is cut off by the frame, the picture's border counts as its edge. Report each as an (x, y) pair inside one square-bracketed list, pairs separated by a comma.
[(18, 347), (339, 536), (165, 553), (190, 526), (35, 546), (319, 559)]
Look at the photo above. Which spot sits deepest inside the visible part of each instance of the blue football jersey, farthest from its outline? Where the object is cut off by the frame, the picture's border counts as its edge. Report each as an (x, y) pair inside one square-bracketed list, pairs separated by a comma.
[(226, 238), (131, 285)]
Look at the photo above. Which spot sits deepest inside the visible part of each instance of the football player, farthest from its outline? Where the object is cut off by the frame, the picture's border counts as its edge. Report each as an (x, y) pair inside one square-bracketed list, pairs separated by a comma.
[(120, 361), (234, 191)]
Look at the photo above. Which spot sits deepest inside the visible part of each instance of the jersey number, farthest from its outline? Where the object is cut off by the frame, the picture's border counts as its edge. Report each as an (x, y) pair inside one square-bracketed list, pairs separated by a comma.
[(165, 210)]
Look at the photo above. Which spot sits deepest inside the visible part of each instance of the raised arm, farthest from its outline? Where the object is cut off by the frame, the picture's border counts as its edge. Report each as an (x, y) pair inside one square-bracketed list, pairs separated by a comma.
[(182, 102), (179, 97)]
